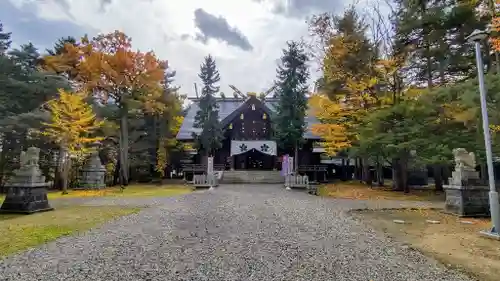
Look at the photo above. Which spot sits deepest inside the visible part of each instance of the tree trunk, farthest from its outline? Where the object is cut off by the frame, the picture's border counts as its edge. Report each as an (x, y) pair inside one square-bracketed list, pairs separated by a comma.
[(404, 174), (124, 145), (484, 172), (396, 175), (358, 169), (366, 175), (116, 173), (343, 170), (438, 177), (426, 32), (296, 159), (380, 173), (400, 174), (58, 183), (66, 167)]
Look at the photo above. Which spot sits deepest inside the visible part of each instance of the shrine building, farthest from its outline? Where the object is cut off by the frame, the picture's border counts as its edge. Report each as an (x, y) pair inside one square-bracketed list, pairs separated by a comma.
[(248, 142)]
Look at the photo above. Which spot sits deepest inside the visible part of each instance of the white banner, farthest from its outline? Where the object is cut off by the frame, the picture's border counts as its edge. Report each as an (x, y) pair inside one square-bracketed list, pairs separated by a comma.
[(210, 165), (264, 146), (290, 166)]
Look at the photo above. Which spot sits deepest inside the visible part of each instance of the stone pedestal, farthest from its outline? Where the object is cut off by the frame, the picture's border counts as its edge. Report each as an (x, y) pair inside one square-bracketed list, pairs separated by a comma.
[(27, 189), (466, 196), (93, 174)]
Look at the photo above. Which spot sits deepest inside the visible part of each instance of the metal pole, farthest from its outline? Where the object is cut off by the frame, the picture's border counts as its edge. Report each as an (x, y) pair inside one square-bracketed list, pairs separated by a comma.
[(493, 194)]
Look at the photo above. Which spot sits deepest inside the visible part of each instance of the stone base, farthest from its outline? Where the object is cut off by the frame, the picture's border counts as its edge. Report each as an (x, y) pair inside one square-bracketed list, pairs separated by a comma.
[(467, 201), (26, 200)]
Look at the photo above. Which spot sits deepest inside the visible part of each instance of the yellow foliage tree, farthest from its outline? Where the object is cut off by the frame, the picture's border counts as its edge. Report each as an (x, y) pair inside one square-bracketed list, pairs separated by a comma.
[(334, 125), (72, 122), (351, 96)]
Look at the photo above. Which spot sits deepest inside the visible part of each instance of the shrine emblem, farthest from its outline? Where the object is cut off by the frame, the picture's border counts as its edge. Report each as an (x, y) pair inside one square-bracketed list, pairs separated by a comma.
[(243, 147), (264, 148)]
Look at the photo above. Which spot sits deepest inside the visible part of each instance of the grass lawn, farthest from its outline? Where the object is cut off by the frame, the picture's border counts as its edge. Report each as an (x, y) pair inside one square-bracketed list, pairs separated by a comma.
[(356, 190), (20, 232), (455, 244), (129, 191)]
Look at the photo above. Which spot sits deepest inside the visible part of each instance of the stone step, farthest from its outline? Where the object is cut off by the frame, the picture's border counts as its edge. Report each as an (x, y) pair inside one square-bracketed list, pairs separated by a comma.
[(243, 176)]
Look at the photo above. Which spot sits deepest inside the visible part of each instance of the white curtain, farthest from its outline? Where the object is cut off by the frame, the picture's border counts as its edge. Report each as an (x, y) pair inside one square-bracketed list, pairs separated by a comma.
[(264, 146)]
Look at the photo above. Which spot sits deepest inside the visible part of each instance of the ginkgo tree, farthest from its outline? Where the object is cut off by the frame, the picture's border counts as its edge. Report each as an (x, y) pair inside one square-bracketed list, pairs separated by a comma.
[(348, 90), (71, 126), (107, 67)]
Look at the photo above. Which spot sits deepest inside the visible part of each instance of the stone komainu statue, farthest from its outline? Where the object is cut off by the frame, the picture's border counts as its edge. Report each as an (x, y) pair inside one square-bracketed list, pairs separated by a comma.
[(464, 159), (29, 157)]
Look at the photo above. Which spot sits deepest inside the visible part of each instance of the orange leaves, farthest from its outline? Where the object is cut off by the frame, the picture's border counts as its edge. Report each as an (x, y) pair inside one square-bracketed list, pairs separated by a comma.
[(106, 65), (495, 26)]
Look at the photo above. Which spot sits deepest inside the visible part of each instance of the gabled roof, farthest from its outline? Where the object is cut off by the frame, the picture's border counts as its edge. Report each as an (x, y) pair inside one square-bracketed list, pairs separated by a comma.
[(225, 121), (229, 107)]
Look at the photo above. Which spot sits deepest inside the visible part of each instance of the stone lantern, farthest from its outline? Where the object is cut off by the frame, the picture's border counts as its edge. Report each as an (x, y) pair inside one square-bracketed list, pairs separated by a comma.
[(27, 188), (93, 172)]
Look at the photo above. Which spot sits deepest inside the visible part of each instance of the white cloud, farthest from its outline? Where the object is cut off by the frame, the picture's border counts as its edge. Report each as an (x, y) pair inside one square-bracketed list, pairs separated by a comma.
[(159, 24)]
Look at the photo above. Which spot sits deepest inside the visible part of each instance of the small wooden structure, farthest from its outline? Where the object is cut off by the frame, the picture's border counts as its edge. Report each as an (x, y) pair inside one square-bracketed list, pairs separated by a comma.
[(205, 181), (297, 181), (190, 170), (314, 170)]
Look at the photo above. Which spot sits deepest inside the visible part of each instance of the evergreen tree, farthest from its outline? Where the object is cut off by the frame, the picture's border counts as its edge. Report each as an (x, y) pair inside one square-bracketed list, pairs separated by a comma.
[(59, 45), (167, 124), (433, 34), (207, 117), (4, 40), (292, 76), (27, 57)]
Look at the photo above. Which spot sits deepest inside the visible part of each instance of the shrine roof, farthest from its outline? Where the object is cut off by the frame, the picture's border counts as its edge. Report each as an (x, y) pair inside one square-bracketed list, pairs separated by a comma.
[(226, 107)]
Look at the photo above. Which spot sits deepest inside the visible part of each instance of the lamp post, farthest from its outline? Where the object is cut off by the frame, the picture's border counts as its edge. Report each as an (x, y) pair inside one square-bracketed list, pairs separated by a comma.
[(477, 36)]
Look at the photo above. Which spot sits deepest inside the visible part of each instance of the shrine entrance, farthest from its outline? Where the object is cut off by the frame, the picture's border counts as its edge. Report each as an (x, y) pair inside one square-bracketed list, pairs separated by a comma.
[(254, 160), (253, 155)]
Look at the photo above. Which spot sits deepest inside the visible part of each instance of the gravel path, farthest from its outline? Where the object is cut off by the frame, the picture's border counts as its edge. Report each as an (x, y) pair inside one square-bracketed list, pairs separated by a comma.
[(233, 233)]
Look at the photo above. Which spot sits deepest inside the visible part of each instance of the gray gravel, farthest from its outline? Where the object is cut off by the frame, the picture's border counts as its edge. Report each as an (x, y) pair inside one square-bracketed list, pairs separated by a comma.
[(233, 233)]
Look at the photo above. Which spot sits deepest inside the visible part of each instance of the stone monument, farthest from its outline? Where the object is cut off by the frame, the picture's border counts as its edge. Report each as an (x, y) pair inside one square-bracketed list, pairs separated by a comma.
[(93, 173), (27, 189), (466, 195)]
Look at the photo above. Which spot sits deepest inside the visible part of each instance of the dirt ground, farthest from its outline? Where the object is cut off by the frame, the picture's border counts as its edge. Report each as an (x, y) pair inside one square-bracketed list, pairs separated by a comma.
[(455, 244), (360, 191)]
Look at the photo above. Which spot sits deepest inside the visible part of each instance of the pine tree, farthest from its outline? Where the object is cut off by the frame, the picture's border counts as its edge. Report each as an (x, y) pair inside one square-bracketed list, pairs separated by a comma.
[(167, 123), (433, 34), (4, 40), (207, 117), (59, 46), (27, 57), (292, 76)]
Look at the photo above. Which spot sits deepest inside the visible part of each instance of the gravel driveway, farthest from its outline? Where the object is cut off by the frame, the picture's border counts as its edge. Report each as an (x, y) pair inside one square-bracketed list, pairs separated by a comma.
[(237, 232)]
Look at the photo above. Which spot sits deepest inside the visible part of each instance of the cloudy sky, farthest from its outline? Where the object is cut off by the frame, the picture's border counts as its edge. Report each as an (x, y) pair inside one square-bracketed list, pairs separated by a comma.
[(244, 36)]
